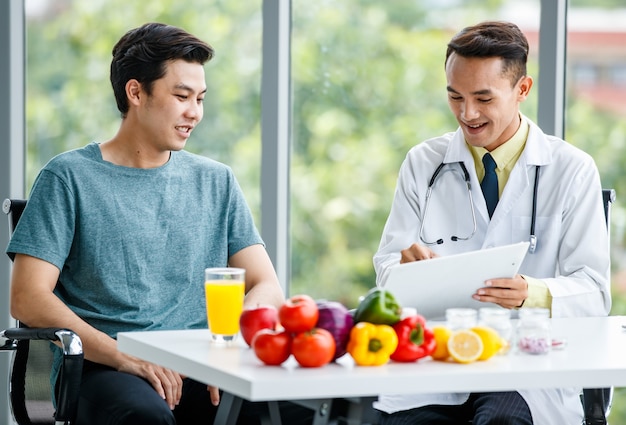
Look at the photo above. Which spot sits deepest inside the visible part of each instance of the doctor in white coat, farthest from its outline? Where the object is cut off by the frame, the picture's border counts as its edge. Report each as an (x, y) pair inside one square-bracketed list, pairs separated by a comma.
[(568, 272)]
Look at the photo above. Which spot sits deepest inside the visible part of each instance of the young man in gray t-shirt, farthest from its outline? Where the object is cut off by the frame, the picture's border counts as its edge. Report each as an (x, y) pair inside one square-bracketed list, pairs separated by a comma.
[(116, 235)]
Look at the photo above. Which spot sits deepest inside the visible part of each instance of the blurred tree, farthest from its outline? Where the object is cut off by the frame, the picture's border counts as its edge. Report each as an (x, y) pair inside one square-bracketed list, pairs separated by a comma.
[(366, 89)]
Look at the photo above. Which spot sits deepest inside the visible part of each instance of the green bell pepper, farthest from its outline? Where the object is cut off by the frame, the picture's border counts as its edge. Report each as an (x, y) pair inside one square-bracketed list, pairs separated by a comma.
[(379, 307)]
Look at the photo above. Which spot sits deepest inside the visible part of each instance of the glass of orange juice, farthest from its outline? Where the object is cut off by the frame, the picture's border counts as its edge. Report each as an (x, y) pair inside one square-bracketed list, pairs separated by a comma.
[(224, 288)]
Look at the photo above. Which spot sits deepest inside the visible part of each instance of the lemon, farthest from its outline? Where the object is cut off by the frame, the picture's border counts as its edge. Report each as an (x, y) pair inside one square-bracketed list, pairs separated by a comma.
[(465, 346), (441, 334), (492, 342)]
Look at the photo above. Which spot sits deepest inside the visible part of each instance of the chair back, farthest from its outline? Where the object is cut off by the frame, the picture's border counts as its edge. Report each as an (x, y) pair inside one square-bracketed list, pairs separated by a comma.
[(597, 401), (30, 395), (13, 208), (608, 197)]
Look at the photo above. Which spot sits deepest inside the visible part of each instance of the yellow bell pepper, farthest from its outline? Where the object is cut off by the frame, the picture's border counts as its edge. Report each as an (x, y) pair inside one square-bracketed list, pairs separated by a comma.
[(370, 344)]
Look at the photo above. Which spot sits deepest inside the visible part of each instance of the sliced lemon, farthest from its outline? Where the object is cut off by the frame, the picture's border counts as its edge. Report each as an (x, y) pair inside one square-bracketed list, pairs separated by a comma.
[(492, 342), (441, 334), (465, 346)]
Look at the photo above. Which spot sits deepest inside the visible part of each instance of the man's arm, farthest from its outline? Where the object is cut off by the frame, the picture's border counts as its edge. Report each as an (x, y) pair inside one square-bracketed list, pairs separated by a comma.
[(262, 286), (34, 303)]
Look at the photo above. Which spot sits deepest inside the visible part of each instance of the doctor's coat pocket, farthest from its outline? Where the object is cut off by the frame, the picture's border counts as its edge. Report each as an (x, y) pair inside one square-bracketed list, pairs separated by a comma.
[(547, 231)]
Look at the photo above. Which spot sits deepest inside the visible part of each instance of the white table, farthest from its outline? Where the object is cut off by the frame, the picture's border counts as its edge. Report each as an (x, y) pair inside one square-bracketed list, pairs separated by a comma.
[(594, 356)]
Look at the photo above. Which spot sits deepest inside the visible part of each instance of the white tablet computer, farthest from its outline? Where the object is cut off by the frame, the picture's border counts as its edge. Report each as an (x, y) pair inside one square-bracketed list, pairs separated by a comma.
[(432, 286)]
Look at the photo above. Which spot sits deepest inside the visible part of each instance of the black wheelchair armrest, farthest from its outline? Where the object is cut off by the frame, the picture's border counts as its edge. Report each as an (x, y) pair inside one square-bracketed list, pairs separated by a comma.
[(71, 368)]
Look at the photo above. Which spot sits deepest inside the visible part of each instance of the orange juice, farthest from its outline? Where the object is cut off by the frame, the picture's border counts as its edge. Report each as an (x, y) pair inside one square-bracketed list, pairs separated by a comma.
[(224, 302)]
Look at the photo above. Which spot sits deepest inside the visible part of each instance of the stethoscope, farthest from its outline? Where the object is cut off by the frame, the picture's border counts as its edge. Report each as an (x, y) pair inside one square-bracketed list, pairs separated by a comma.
[(532, 239)]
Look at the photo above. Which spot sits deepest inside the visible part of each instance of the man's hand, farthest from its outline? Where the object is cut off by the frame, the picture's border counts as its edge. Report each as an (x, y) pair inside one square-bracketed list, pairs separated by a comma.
[(508, 293), (167, 383), (416, 253)]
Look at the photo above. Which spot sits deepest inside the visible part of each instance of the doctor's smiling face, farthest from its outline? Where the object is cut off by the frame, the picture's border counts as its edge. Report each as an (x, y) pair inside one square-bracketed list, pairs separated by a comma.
[(485, 99)]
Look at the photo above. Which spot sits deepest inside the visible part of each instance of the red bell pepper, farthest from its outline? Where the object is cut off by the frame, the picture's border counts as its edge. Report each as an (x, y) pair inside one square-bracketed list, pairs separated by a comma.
[(415, 340)]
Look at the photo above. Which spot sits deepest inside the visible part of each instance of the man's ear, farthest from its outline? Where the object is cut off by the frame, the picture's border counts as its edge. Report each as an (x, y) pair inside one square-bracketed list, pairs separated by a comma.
[(133, 92), (524, 86)]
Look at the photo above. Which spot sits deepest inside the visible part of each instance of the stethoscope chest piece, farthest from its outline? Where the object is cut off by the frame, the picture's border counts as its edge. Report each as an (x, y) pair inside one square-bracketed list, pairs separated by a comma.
[(466, 177)]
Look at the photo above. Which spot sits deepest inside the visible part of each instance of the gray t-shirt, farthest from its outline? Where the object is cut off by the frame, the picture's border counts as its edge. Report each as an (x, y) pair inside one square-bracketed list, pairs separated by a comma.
[(132, 244)]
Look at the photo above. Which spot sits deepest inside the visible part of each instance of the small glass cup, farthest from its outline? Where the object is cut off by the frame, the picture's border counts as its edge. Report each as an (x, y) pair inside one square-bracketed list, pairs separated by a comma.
[(461, 318), (534, 331), (498, 319), (224, 289)]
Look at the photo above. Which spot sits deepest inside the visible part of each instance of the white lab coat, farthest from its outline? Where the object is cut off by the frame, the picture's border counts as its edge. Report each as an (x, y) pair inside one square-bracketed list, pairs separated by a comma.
[(572, 254)]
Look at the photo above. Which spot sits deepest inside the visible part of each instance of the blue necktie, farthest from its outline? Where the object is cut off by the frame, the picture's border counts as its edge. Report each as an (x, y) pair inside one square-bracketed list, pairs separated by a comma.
[(489, 184)]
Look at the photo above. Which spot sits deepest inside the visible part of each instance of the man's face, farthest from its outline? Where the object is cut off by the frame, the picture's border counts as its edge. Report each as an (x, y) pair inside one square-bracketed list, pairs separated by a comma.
[(174, 107), (483, 100)]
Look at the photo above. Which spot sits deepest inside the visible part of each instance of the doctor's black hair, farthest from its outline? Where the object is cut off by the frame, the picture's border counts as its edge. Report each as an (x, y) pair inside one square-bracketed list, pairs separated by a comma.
[(493, 39)]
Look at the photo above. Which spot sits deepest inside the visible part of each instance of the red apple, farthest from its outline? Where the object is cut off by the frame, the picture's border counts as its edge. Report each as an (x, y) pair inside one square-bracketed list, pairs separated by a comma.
[(298, 313), (254, 319)]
